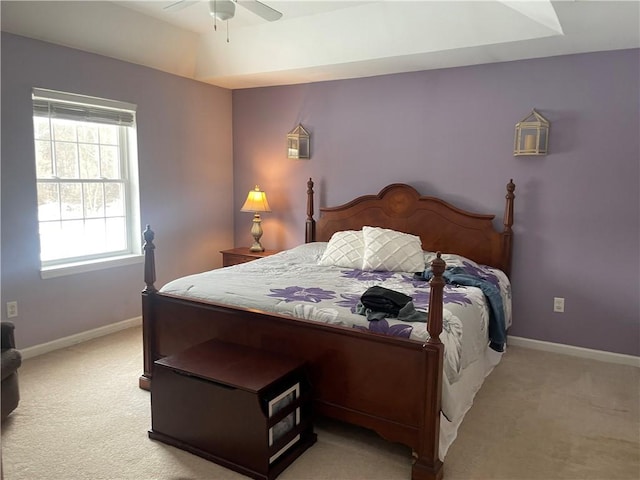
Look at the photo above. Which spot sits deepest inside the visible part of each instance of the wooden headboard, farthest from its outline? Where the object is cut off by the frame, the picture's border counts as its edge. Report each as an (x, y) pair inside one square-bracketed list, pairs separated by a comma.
[(441, 226)]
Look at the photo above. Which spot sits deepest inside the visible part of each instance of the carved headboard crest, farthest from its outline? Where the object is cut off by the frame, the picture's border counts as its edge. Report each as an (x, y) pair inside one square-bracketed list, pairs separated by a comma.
[(440, 225)]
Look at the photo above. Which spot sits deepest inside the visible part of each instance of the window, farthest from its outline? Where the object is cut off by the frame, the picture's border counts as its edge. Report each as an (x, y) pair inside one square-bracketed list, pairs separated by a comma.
[(86, 172)]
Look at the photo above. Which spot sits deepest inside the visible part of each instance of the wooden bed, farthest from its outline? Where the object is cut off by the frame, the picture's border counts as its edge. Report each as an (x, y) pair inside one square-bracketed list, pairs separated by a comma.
[(341, 360)]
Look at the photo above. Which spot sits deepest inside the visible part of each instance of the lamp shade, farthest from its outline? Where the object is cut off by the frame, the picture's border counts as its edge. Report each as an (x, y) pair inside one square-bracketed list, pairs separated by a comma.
[(256, 201)]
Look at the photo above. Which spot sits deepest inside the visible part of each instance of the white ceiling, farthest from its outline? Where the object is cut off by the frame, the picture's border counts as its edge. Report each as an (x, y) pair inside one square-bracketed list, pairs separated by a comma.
[(326, 40)]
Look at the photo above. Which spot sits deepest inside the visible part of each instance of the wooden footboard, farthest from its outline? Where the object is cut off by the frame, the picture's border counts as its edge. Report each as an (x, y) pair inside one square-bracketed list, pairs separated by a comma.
[(358, 377)]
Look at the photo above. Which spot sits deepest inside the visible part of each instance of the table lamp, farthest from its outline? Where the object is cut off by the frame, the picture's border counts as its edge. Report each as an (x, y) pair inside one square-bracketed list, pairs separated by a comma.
[(256, 202)]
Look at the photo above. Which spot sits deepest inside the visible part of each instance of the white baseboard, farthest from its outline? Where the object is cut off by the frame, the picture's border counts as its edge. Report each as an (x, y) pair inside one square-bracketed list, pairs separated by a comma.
[(43, 348), (600, 355)]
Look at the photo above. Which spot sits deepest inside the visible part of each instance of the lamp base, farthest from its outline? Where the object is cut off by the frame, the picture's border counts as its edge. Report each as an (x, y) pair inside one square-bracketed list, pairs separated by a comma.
[(256, 233), (256, 247)]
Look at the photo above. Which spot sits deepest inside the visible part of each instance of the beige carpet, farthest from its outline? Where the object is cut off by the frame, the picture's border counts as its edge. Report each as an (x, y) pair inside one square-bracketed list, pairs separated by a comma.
[(538, 416)]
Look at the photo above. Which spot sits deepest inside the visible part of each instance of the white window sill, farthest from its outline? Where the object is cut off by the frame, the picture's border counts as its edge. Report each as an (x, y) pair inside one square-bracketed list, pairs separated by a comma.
[(89, 266)]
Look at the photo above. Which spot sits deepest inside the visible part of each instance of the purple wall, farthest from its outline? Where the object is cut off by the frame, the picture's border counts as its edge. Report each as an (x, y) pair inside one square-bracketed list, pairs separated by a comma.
[(449, 133), (185, 160)]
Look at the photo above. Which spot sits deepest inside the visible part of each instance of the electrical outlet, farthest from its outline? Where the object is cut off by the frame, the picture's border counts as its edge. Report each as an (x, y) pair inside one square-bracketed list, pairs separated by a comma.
[(12, 309), (558, 304)]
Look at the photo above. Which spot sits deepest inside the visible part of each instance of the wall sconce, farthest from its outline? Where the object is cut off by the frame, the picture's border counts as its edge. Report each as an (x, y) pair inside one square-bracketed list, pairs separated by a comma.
[(298, 143), (256, 202), (532, 135)]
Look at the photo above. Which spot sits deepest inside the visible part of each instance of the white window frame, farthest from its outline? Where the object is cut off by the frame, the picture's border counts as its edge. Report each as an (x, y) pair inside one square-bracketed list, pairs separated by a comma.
[(56, 104)]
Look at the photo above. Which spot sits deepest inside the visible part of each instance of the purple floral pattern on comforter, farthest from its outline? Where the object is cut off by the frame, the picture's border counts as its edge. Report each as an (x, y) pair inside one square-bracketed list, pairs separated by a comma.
[(301, 294), (383, 327)]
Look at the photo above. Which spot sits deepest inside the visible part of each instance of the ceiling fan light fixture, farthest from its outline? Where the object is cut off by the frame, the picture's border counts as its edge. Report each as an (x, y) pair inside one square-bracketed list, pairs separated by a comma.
[(222, 9)]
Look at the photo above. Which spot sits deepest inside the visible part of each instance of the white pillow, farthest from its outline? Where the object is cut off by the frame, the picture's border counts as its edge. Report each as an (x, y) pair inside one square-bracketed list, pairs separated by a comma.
[(345, 249), (391, 251)]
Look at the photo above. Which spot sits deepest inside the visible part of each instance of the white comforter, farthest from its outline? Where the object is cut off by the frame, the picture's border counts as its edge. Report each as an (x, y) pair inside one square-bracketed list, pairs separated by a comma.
[(292, 283)]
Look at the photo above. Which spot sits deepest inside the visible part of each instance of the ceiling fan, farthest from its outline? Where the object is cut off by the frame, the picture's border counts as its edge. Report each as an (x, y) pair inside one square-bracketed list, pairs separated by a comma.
[(225, 9)]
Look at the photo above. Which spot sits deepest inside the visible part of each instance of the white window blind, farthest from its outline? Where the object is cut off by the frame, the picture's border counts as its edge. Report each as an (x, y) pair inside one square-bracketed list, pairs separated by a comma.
[(49, 103)]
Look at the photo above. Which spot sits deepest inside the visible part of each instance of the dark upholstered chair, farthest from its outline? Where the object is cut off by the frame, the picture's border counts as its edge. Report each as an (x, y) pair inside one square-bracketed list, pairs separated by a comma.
[(11, 361)]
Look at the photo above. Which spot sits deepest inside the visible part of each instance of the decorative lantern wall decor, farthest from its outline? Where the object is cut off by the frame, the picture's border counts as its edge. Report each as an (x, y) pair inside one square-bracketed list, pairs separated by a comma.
[(298, 143), (532, 135)]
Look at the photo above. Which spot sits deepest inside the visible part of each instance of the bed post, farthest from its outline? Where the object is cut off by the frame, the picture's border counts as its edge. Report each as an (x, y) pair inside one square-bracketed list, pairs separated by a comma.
[(428, 465), (434, 325), (507, 233), (310, 232), (148, 295), (149, 260)]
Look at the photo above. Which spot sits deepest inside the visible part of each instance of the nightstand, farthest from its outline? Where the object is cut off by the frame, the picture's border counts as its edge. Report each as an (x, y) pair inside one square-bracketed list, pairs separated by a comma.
[(238, 255)]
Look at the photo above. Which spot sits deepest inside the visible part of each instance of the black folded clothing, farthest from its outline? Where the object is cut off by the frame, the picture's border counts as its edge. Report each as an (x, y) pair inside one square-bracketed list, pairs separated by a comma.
[(381, 299)]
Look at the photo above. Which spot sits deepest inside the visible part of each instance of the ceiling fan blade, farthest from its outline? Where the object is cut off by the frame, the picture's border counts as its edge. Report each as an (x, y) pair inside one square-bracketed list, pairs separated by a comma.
[(260, 9), (179, 5)]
